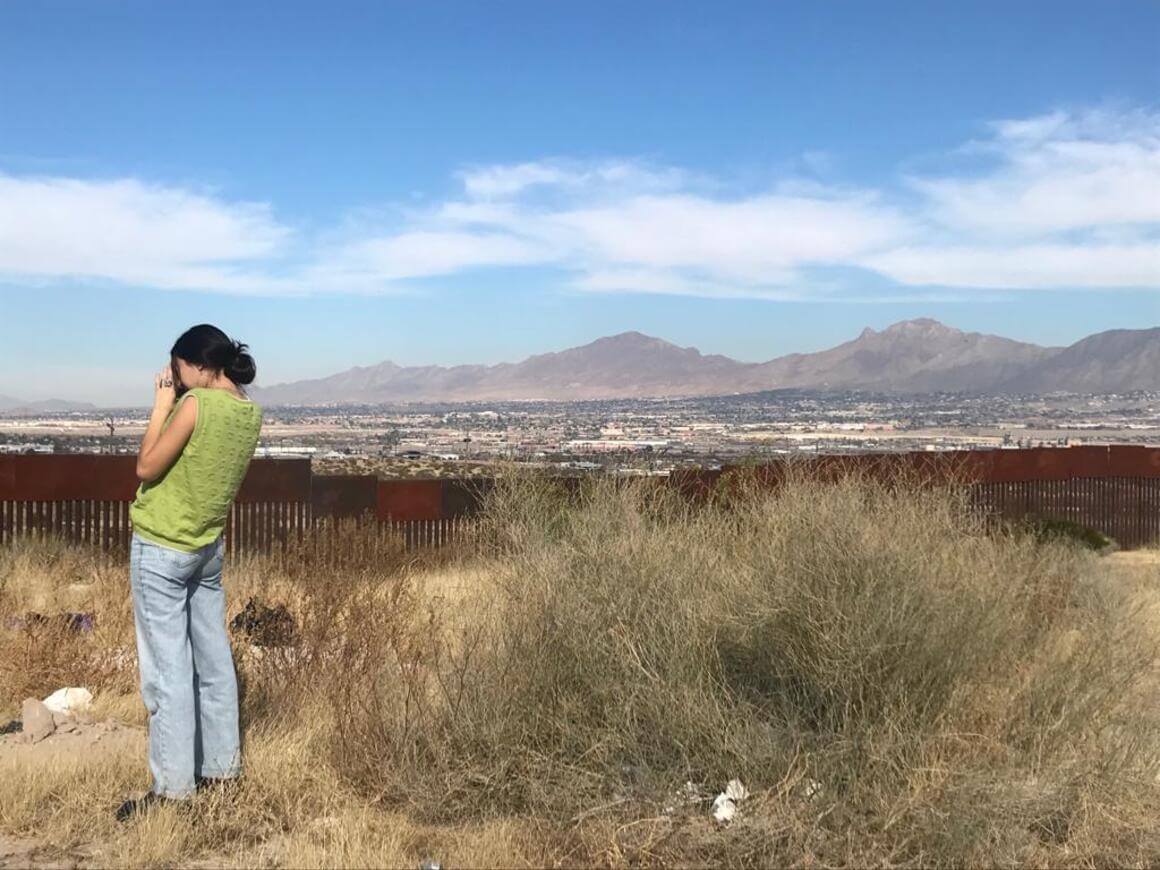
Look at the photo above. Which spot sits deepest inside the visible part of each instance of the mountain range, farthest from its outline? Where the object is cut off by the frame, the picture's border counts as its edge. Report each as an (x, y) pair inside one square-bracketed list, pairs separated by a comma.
[(20, 406), (914, 356)]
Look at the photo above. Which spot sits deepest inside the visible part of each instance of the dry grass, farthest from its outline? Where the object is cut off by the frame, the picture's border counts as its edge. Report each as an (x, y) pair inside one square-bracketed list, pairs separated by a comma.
[(960, 697)]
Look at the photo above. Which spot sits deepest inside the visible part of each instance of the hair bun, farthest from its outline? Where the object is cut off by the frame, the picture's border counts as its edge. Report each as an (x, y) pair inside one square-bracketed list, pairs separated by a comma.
[(241, 368)]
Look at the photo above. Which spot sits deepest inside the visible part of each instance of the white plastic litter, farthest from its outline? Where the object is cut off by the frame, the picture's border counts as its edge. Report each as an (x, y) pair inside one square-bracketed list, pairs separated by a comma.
[(725, 804), (689, 793), (69, 700), (813, 788), (723, 809), (735, 791)]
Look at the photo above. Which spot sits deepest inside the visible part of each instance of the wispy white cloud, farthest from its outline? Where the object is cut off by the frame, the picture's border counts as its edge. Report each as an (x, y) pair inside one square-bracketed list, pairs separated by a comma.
[(673, 283), (1056, 173), (586, 179), (760, 239), (131, 232), (1062, 200), (668, 230), (1029, 266), (422, 253)]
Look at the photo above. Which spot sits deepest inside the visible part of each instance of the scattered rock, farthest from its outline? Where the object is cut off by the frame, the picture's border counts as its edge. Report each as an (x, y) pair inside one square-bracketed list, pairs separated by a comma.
[(78, 744), (63, 722), (37, 720)]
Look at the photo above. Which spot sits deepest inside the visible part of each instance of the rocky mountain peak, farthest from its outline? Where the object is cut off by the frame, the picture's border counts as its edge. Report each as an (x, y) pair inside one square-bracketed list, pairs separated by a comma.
[(921, 326)]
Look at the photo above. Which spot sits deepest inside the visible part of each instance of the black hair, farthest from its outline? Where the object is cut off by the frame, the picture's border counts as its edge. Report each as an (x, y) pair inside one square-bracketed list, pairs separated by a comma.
[(207, 346)]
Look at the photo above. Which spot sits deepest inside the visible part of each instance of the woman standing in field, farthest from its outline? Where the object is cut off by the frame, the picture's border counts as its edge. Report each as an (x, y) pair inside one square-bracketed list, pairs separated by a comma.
[(195, 452)]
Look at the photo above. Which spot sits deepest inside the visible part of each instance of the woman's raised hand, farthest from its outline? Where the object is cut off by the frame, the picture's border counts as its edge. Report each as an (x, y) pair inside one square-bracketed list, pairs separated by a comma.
[(165, 395)]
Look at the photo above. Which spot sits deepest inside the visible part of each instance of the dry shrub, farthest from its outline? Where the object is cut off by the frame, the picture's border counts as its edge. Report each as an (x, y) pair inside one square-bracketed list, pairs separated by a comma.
[(45, 577), (343, 586), (958, 695), (895, 683)]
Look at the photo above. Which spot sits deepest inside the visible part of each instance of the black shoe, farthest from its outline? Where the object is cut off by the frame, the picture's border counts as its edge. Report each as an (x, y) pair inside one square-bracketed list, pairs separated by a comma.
[(215, 783), (134, 806)]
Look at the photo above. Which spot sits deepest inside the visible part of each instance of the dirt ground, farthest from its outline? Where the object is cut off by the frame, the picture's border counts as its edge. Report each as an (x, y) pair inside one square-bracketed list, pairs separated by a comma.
[(59, 748), (86, 737)]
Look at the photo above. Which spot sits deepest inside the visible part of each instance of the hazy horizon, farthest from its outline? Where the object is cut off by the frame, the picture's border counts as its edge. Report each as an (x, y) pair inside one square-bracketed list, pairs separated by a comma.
[(641, 340)]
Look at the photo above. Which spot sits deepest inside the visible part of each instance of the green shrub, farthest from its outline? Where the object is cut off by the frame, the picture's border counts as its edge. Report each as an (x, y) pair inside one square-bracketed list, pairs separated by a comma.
[(1058, 529)]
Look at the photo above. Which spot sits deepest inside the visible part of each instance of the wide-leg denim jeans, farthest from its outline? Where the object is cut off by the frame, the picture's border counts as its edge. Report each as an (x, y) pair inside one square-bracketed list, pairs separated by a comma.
[(188, 682)]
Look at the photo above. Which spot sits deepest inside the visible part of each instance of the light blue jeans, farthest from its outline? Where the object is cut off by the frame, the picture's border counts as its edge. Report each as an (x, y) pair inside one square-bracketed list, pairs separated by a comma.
[(188, 682)]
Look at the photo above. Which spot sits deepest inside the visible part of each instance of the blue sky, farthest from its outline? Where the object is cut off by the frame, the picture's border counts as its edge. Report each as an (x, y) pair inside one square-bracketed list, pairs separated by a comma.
[(339, 184)]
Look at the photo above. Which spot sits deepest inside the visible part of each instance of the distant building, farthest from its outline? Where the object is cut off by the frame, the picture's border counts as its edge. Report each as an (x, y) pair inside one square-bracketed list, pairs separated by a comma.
[(284, 451), (26, 448), (603, 445)]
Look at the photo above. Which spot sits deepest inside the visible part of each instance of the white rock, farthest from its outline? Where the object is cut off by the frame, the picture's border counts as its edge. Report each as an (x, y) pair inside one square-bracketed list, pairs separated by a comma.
[(69, 700), (813, 788)]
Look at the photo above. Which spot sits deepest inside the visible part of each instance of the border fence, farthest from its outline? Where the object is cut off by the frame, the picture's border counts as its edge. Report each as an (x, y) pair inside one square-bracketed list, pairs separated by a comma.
[(85, 498)]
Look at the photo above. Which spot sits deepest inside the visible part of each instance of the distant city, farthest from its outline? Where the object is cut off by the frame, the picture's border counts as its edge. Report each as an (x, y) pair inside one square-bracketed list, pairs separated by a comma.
[(627, 436)]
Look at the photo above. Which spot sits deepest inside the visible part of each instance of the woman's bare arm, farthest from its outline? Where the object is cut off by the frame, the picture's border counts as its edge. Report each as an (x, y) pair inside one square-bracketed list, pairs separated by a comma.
[(162, 443)]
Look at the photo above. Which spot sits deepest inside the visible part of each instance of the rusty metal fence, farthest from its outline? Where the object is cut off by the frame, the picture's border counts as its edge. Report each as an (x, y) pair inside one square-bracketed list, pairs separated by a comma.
[(85, 498), (1113, 489)]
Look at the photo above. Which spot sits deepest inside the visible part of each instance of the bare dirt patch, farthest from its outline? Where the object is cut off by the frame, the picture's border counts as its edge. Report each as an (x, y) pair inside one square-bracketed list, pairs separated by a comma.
[(85, 742), (85, 739)]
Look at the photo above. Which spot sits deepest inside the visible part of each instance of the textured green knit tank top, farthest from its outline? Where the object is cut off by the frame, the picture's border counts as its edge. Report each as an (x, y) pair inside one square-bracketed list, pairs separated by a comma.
[(186, 507)]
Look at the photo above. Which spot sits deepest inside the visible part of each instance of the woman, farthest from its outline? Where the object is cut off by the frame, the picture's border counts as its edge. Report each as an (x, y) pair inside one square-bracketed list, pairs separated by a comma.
[(192, 460)]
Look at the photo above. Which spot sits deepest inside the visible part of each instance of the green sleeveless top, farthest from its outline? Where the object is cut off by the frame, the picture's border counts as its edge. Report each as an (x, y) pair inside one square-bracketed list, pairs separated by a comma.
[(186, 507)]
